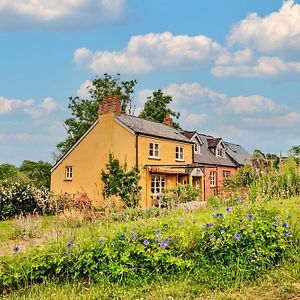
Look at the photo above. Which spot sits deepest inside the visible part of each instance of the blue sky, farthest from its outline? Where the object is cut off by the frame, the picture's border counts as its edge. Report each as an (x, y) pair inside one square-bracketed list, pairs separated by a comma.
[(231, 66)]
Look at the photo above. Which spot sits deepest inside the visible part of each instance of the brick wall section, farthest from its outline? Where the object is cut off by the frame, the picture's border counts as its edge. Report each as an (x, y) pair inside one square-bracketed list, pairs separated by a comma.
[(168, 121), (110, 104)]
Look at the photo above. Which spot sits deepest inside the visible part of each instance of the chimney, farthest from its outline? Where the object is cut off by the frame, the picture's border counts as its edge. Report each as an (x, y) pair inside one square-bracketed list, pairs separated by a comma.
[(110, 104), (168, 120)]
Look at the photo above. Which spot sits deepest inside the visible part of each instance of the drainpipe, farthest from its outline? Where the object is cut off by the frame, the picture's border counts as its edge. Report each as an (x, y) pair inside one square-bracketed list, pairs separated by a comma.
[(204, 183), (217, 190), (137, 150)]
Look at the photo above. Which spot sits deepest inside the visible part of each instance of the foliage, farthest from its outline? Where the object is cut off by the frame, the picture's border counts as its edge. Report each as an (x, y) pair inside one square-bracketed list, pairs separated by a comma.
[(38, 172), (120, 182), (11, 173), (155, 108), (244, 177), (295, 152), (235, 245), (28, 226), (85, 111)]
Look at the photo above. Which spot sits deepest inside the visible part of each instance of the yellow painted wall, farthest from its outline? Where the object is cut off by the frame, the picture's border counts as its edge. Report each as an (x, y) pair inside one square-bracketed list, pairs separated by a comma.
[(89, 157)]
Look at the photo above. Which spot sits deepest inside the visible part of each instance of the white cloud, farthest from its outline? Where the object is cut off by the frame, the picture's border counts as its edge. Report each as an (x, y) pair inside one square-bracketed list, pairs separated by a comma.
[(263, 67), (8, 105), (54, 14), (276, 32), (145, 53), (83, 91), (193, 120), (254, 104), (43, 109), (19, 137)]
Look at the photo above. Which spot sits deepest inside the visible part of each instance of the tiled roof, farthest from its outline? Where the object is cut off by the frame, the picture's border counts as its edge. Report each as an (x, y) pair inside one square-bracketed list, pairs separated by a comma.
[(213, 142), (238, 153), (155, 129)]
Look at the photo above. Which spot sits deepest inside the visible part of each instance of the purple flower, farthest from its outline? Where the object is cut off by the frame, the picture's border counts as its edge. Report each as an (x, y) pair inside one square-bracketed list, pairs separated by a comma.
[(70, 244), (215, 208), (16, 249), (274, 223), (222, 231), (122, 237), (167, 240), (158, 240), (285, 225), (162, 245), (228, 209), (158, 231), (134, 236), (133, 229), (164, 214), (287, 234), (221, 215), (237, 236), (250, 217), (101, 241), (146, 242), (66, 253), (209, 225)]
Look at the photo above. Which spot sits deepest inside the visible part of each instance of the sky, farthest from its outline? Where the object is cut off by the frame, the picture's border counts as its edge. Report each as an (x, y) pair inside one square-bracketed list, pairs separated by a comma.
[(232, 67)]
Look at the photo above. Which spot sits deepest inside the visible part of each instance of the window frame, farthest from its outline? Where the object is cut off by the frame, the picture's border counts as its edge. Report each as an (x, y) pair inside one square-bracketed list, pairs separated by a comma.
[(68, 173), (179, 153), (155, 150), (221, 151), (228, 173), (156, 186), (212, 178)]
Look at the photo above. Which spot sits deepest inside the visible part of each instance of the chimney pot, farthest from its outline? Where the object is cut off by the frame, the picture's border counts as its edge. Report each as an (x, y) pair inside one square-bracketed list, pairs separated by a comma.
[(168, 120)]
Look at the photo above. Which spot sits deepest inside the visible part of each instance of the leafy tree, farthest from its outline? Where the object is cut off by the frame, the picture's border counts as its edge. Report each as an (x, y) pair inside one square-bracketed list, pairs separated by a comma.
[(258, 154), (37, 172), (155, 108), (85, 111), (295, 152), (11, 173), (120, 182)]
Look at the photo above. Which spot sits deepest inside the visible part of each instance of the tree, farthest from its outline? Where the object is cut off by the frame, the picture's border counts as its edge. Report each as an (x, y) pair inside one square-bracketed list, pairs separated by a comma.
[(11, 173), (155, 108), (295, 152), (37, 172), (85, 111)]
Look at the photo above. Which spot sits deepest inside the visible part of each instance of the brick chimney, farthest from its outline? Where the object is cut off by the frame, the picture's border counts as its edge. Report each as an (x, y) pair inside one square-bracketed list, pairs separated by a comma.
[(110, 104), (168, 120)]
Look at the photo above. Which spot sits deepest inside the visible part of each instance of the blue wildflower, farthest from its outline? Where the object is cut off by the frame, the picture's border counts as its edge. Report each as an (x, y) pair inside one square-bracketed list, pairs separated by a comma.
[(158, 231), (164, 214), (250, 217), (162, 245), (228, 209), (16, 249), (146, 242), (221, 215), (287, 234), (274, 223), (209, 225), (167, 240), (122, 237), (101, 241), (285, 225), (134, 236), (237, 236), (215, 208), (158, 240), (289, 216), (66, 253), (70, 244), (222, 231)]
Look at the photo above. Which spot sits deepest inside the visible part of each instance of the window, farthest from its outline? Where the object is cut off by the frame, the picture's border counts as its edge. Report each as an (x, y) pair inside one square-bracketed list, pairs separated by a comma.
[(220, 152), (212, 178), (153, 150), (226, 174), (69, 173), (197, 148), (179, 153), (158, 184)]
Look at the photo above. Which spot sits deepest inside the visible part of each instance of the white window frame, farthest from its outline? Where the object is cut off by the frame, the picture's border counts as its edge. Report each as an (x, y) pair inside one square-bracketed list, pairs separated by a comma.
[(179, 153), (212, 178), (226, 173), (68, 173), (221, 154), (158, 184), (154, 151), (197, 148)]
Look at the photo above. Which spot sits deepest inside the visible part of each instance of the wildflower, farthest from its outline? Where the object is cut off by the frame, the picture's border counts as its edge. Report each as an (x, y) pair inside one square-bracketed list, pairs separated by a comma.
[(285, 225), (222, 231), (239, 201), (221, 215), (70, 244), (158, 240), (16, 249), (237, 236), (146, 242), (133, 229), (228, 209), (215, 208), (274, 223), (167, 240), (209, 225), (134, 236), (162, 245), (66, 253), (101, 241), (122, 237), (289, 216), (164, 214), (287, 234), (158, 231), (250, 217), (211, 236), (214, 215), (203, 226)]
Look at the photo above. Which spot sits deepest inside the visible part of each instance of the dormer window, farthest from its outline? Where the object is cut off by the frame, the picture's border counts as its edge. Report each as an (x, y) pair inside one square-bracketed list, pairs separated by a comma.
[(220, 152), (197, 148)]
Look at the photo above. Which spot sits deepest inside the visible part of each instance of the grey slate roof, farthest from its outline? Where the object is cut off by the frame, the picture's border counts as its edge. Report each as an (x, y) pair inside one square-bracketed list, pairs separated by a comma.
[(238, 153), (207, 157), (213, 142), (155, 129)]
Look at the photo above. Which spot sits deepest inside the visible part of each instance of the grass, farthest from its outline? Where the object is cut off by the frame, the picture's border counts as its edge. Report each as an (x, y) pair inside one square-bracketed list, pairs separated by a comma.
[(280, 283)]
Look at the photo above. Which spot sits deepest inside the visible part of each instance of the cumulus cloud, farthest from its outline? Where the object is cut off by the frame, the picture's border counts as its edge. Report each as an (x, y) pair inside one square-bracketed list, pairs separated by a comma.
[(276, 32), (59, 14), (19, 137), (83, 91), (145, 53), (8, 105), (193, 120), (43, 109)]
